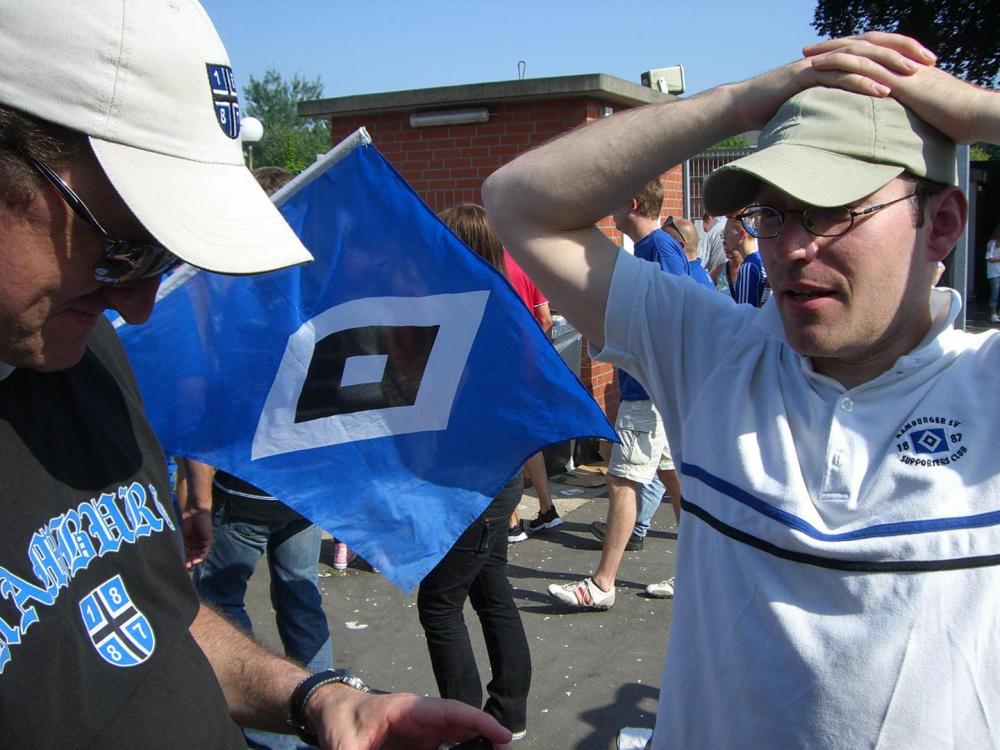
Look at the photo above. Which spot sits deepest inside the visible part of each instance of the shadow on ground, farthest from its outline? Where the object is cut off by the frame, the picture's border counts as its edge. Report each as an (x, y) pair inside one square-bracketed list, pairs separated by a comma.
[(605, 720)]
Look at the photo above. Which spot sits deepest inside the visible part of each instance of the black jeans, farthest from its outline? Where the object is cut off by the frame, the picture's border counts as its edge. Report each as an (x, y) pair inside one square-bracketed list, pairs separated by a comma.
[(476, 567)]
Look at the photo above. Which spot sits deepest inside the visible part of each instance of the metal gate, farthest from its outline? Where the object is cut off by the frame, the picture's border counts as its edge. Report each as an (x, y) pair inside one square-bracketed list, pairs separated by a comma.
[(698, 168)]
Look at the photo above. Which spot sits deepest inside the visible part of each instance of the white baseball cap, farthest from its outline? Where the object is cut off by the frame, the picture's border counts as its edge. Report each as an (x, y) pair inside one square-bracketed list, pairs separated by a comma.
[(149, 82)]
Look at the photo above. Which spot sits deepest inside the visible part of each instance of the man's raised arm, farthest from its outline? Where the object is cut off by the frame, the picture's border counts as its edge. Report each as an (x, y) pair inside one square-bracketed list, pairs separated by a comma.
[(544, 205)]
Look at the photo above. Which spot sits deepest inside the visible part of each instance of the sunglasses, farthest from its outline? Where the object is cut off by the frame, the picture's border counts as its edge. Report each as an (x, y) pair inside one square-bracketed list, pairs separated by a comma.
[(670, 223), (125, 261)]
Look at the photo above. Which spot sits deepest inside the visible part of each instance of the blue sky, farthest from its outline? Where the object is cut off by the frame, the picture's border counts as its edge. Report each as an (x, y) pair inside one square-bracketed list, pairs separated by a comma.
[(390, 45)]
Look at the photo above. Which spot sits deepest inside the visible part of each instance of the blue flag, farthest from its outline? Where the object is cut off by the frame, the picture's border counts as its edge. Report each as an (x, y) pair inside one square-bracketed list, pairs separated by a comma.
[(386, 391)]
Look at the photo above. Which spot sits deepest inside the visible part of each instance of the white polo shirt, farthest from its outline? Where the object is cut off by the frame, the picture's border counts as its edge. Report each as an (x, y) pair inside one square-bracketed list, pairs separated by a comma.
[(837, 579)]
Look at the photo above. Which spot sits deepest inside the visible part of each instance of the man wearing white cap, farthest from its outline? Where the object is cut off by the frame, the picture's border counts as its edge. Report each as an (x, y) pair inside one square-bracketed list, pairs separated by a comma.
[(120, 158), (842, 524)]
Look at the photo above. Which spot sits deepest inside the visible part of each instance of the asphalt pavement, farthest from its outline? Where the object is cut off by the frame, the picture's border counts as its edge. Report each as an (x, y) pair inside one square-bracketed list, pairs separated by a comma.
[(593, 672)]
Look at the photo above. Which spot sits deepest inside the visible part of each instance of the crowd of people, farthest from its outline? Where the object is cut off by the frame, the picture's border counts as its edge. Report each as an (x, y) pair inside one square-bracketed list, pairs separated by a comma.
[(840, 526)]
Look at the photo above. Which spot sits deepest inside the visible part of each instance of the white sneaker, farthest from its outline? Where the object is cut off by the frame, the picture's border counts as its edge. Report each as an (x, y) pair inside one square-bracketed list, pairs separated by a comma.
[(661, 590), (583, 594), (516, 533), (994, 318)]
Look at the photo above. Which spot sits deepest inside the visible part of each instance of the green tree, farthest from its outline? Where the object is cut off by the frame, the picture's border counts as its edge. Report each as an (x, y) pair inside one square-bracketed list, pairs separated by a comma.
[(984, 152), (964, 35), (289, 141), (733, 141)]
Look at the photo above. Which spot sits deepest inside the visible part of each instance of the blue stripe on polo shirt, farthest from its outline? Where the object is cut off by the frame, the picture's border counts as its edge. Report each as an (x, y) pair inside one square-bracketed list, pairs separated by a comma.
[(831, 563), (899, 528)]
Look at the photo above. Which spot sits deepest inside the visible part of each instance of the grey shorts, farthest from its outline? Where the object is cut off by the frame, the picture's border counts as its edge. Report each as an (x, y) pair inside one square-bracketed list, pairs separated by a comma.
[(643, 448)]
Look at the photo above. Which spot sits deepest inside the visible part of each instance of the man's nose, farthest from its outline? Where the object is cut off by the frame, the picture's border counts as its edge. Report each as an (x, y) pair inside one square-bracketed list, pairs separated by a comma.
[(133, 301), (794, 243)]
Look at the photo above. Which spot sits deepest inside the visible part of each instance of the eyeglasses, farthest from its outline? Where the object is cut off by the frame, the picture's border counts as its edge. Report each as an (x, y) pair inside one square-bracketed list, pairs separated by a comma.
[(670, 223), (764, 222), (125, 261)]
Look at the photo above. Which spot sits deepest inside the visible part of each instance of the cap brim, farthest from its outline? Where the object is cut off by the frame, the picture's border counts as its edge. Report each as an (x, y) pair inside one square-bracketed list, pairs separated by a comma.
[(213, 216), (811, 175)]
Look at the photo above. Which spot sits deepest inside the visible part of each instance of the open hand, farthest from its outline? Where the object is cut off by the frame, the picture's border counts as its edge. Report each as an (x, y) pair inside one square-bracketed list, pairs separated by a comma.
[(197, 535), (347, 719), (903, 68)]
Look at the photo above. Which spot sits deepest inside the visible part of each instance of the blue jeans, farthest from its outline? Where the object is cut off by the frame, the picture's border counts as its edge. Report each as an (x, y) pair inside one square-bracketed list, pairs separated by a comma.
[(292, 549), (476, 568), (649, 498)]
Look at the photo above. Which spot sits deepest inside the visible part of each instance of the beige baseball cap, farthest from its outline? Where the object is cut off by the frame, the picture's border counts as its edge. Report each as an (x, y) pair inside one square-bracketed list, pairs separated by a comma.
[(829, 147), (151, 85)]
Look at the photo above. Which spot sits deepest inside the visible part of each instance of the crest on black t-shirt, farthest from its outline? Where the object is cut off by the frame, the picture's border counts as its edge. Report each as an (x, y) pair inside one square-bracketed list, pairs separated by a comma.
[(120, 632)]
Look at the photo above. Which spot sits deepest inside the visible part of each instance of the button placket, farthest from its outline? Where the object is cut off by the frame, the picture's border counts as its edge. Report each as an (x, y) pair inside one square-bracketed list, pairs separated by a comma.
[(837, 475)]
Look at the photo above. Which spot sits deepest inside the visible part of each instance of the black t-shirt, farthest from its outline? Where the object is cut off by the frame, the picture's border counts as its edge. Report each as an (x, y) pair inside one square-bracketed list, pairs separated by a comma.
[(95, 604), (247, 502)]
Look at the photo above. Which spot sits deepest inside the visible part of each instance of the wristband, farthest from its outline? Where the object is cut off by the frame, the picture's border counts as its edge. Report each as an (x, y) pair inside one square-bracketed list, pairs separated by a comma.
[(304, 691)]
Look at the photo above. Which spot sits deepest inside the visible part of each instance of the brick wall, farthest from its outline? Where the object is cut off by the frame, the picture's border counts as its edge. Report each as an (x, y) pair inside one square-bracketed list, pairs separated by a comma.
[(448, 164)]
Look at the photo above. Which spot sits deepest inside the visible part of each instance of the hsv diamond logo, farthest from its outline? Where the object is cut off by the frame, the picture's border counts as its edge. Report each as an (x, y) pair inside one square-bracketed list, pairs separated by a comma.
[(224, 97), (930, 441), (365, 368), (119, 631), (370, 368)]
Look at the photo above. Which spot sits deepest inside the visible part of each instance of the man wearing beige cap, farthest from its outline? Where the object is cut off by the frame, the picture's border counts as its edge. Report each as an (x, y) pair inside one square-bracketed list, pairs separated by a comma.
[(842, 523), (120, 158)]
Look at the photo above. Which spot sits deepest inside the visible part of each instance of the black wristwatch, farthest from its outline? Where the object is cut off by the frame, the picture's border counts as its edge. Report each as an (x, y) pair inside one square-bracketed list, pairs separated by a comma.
[(304, 691)]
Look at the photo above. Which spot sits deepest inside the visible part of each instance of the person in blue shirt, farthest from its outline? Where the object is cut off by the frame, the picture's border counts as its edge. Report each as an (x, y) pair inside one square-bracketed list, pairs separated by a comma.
[(643, 452), (684, 231), (750, 283), (650, 495)]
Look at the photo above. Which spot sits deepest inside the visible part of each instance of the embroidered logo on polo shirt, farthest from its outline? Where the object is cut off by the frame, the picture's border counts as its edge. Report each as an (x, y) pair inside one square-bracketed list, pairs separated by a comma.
[(120, 632), (930, 441)]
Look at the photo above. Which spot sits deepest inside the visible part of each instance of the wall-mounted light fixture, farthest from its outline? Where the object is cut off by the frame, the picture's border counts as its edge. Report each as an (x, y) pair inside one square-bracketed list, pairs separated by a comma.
[(668, 80), (449, 117)]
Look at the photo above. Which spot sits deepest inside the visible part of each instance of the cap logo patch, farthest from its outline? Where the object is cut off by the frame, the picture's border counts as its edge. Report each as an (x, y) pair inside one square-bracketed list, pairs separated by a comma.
[(227, 106)]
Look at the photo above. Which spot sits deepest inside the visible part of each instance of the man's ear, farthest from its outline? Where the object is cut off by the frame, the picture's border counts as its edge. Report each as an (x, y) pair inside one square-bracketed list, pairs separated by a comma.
[(945, 215), (635, 205)]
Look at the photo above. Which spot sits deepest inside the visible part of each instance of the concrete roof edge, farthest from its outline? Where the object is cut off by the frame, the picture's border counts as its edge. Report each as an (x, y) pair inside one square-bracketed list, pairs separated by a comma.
[(595, 85)]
